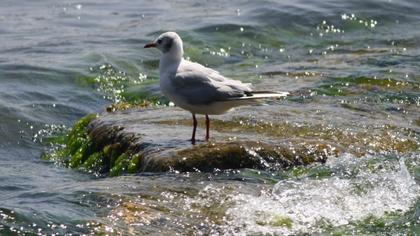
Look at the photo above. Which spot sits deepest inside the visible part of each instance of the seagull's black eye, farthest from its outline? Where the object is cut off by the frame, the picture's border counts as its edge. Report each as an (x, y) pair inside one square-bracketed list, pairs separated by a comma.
[(159, 41)]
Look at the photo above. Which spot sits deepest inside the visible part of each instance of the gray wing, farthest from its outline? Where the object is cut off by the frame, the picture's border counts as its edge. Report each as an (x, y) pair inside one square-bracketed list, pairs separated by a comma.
[(197, 84)]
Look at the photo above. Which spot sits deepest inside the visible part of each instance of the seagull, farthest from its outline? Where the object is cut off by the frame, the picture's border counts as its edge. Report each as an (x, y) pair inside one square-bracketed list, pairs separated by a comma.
[(197, 88)]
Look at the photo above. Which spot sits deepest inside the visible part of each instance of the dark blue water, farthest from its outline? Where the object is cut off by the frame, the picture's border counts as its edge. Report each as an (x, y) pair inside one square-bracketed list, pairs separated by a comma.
[(50, 50)]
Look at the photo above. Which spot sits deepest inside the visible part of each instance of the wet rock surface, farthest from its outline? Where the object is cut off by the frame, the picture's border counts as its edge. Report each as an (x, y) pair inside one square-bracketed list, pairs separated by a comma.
[(155, 140), (263, 137)]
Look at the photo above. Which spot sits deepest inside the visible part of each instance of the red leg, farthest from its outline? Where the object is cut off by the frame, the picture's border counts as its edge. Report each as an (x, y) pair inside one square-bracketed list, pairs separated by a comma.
[(194, 129), (207, 127)]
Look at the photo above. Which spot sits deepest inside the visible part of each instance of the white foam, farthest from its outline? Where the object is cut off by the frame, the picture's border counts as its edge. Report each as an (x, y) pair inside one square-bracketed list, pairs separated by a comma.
[(334, 201)]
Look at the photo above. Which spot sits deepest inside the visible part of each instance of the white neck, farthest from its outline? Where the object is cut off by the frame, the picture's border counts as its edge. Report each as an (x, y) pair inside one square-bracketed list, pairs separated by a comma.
[(169, 61)]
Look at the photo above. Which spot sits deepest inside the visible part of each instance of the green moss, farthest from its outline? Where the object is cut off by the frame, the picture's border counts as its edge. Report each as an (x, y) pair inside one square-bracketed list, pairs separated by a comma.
[(281, 221), (332, 90), (85, 80), (73, 144), (374, 222), (120, 166), (81, 154), (94, 162), (78, 135), (316, 171), (277, 221), (265, 177), (134, 164), (344, 86), (391, 223), (56, 139), (77, 150), (112, 152), (142, 93)]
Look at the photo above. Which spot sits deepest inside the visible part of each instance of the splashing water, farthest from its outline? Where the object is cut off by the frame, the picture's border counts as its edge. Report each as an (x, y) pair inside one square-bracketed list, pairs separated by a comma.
[(312, 205), (113, 83)]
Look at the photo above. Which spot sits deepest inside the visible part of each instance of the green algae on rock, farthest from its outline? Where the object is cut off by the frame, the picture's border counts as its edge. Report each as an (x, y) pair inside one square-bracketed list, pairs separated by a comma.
[(344, 86), (72, 144), (277, 221)]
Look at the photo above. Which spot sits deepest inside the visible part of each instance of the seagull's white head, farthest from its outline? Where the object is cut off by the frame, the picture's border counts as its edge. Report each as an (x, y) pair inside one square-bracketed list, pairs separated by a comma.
[(169, 43)]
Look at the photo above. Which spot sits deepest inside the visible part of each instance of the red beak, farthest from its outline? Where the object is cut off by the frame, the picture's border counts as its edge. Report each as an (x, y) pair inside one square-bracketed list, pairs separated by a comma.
[(150, 45)]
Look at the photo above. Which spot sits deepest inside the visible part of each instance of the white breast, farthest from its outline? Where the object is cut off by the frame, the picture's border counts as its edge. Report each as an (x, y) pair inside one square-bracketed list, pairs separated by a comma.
[(167, 70)]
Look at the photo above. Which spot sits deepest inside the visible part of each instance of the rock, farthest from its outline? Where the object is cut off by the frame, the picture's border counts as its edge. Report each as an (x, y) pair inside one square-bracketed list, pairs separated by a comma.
[(132, 138), (156, 140)]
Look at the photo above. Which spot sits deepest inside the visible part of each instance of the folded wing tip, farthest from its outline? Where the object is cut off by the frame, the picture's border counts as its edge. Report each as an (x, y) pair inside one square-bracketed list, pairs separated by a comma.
[(261, 95), (283, 93)]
